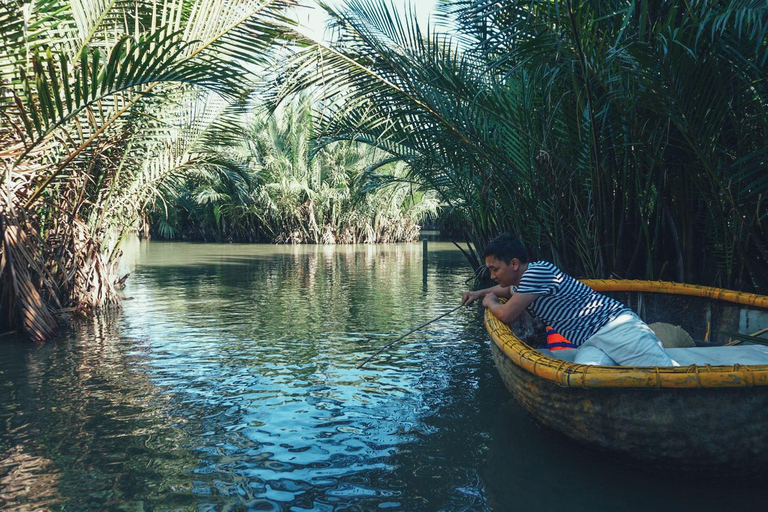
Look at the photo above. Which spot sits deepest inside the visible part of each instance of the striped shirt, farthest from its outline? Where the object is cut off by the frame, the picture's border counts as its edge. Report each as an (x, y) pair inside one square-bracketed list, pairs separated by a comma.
[(568, 305)]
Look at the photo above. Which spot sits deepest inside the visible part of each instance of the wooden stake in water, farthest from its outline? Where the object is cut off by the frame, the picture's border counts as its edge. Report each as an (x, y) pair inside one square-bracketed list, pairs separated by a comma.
[(424, 262), (385, 347)]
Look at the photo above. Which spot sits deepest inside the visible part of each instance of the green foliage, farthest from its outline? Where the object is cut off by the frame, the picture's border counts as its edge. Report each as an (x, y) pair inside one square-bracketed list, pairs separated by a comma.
[(616, 137), (261, 179), (101, 104)]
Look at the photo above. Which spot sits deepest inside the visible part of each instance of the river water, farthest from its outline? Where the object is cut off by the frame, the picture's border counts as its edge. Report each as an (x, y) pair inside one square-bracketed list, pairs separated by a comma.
[(229, 382)]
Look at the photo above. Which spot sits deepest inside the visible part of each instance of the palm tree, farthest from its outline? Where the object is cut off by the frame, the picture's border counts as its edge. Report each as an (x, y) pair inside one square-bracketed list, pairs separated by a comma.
[(618, 138), (273, 184), (88, 89)]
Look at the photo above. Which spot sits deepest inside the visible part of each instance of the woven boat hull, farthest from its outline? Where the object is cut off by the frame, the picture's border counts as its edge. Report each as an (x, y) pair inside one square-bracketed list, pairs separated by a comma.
[(703, 420), (718, 431)]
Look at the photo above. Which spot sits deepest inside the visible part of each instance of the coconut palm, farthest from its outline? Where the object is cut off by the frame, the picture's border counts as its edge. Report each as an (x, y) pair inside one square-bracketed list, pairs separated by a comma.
[(618, 138), (88, 87)]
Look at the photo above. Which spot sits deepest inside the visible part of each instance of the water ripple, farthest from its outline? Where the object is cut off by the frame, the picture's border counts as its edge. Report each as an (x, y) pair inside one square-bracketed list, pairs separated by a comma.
[(230, 382)]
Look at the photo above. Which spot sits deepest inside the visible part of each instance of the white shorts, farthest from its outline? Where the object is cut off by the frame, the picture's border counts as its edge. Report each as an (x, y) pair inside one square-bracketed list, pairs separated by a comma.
[(624, 341)]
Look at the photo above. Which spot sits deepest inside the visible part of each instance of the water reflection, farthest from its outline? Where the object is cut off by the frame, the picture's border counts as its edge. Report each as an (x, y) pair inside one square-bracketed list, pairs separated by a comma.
[(229, 382), (271, 368), (83, 428)]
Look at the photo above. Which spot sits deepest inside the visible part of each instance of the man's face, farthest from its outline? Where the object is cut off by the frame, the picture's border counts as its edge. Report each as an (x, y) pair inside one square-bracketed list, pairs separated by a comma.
[(506, 274)]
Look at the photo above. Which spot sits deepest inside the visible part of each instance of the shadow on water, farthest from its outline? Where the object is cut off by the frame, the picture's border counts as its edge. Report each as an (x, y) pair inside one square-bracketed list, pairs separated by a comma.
[(229, 382)]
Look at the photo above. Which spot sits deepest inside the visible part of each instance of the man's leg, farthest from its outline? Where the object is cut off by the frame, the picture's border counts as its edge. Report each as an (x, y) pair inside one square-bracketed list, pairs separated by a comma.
[(590, 354), (630, 342)]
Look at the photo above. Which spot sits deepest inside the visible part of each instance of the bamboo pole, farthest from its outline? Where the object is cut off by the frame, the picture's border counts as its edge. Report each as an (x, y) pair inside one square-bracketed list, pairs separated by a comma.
[(385, 347)]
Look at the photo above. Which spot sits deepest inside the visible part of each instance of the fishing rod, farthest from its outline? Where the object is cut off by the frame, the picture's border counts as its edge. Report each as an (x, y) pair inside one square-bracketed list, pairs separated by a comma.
[(385, 347)]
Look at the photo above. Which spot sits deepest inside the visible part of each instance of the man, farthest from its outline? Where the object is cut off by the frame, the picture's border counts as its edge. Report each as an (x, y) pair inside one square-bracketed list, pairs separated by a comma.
[(605, 330)]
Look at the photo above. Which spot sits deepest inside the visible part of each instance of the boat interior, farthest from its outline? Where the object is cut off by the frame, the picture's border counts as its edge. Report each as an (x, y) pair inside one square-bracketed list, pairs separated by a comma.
[(694, 330), (715, 356)]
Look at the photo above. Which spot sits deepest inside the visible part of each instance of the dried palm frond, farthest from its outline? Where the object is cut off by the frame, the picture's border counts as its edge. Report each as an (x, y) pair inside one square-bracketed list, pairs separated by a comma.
[(23, 276)]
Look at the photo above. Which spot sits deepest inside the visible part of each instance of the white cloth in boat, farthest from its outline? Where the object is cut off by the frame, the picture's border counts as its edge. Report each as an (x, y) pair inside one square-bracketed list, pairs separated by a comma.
[(715, 356)]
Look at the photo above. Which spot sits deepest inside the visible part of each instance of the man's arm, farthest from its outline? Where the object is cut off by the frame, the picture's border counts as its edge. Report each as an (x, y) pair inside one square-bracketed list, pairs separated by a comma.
[(511, 309), (469, 297)]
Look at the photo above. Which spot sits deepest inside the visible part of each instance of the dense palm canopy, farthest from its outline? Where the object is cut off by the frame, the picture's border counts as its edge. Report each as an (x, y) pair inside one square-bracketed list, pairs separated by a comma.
[(101, 104), (616, 137), (264, 180)]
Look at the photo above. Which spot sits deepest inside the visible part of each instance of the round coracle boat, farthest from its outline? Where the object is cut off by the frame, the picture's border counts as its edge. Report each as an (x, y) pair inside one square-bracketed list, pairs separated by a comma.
[(709, 415)]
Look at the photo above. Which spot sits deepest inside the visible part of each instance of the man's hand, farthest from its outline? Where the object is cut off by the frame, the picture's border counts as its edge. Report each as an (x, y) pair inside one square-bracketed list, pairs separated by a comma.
[(490, 299), (497, 291), (469, 297), (511, 309)]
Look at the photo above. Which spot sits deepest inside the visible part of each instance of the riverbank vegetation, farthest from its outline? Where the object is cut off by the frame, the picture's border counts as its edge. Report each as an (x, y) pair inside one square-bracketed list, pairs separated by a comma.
[(102, 104), (618, 138), (270, 184)]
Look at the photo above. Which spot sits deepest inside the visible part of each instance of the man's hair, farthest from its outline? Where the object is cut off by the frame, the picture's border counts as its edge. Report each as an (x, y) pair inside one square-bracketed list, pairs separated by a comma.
[(506, 247)]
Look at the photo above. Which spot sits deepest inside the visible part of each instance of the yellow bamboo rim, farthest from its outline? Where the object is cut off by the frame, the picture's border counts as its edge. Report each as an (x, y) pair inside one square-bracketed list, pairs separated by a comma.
[(626, 285), (567, 374)]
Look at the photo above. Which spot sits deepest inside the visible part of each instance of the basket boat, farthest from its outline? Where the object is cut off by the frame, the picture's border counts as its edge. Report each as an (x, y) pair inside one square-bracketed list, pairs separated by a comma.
[(704, 417)]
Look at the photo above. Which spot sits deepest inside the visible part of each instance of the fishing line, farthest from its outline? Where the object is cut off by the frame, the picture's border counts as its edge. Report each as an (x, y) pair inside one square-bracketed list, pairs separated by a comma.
[(385, 347)]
